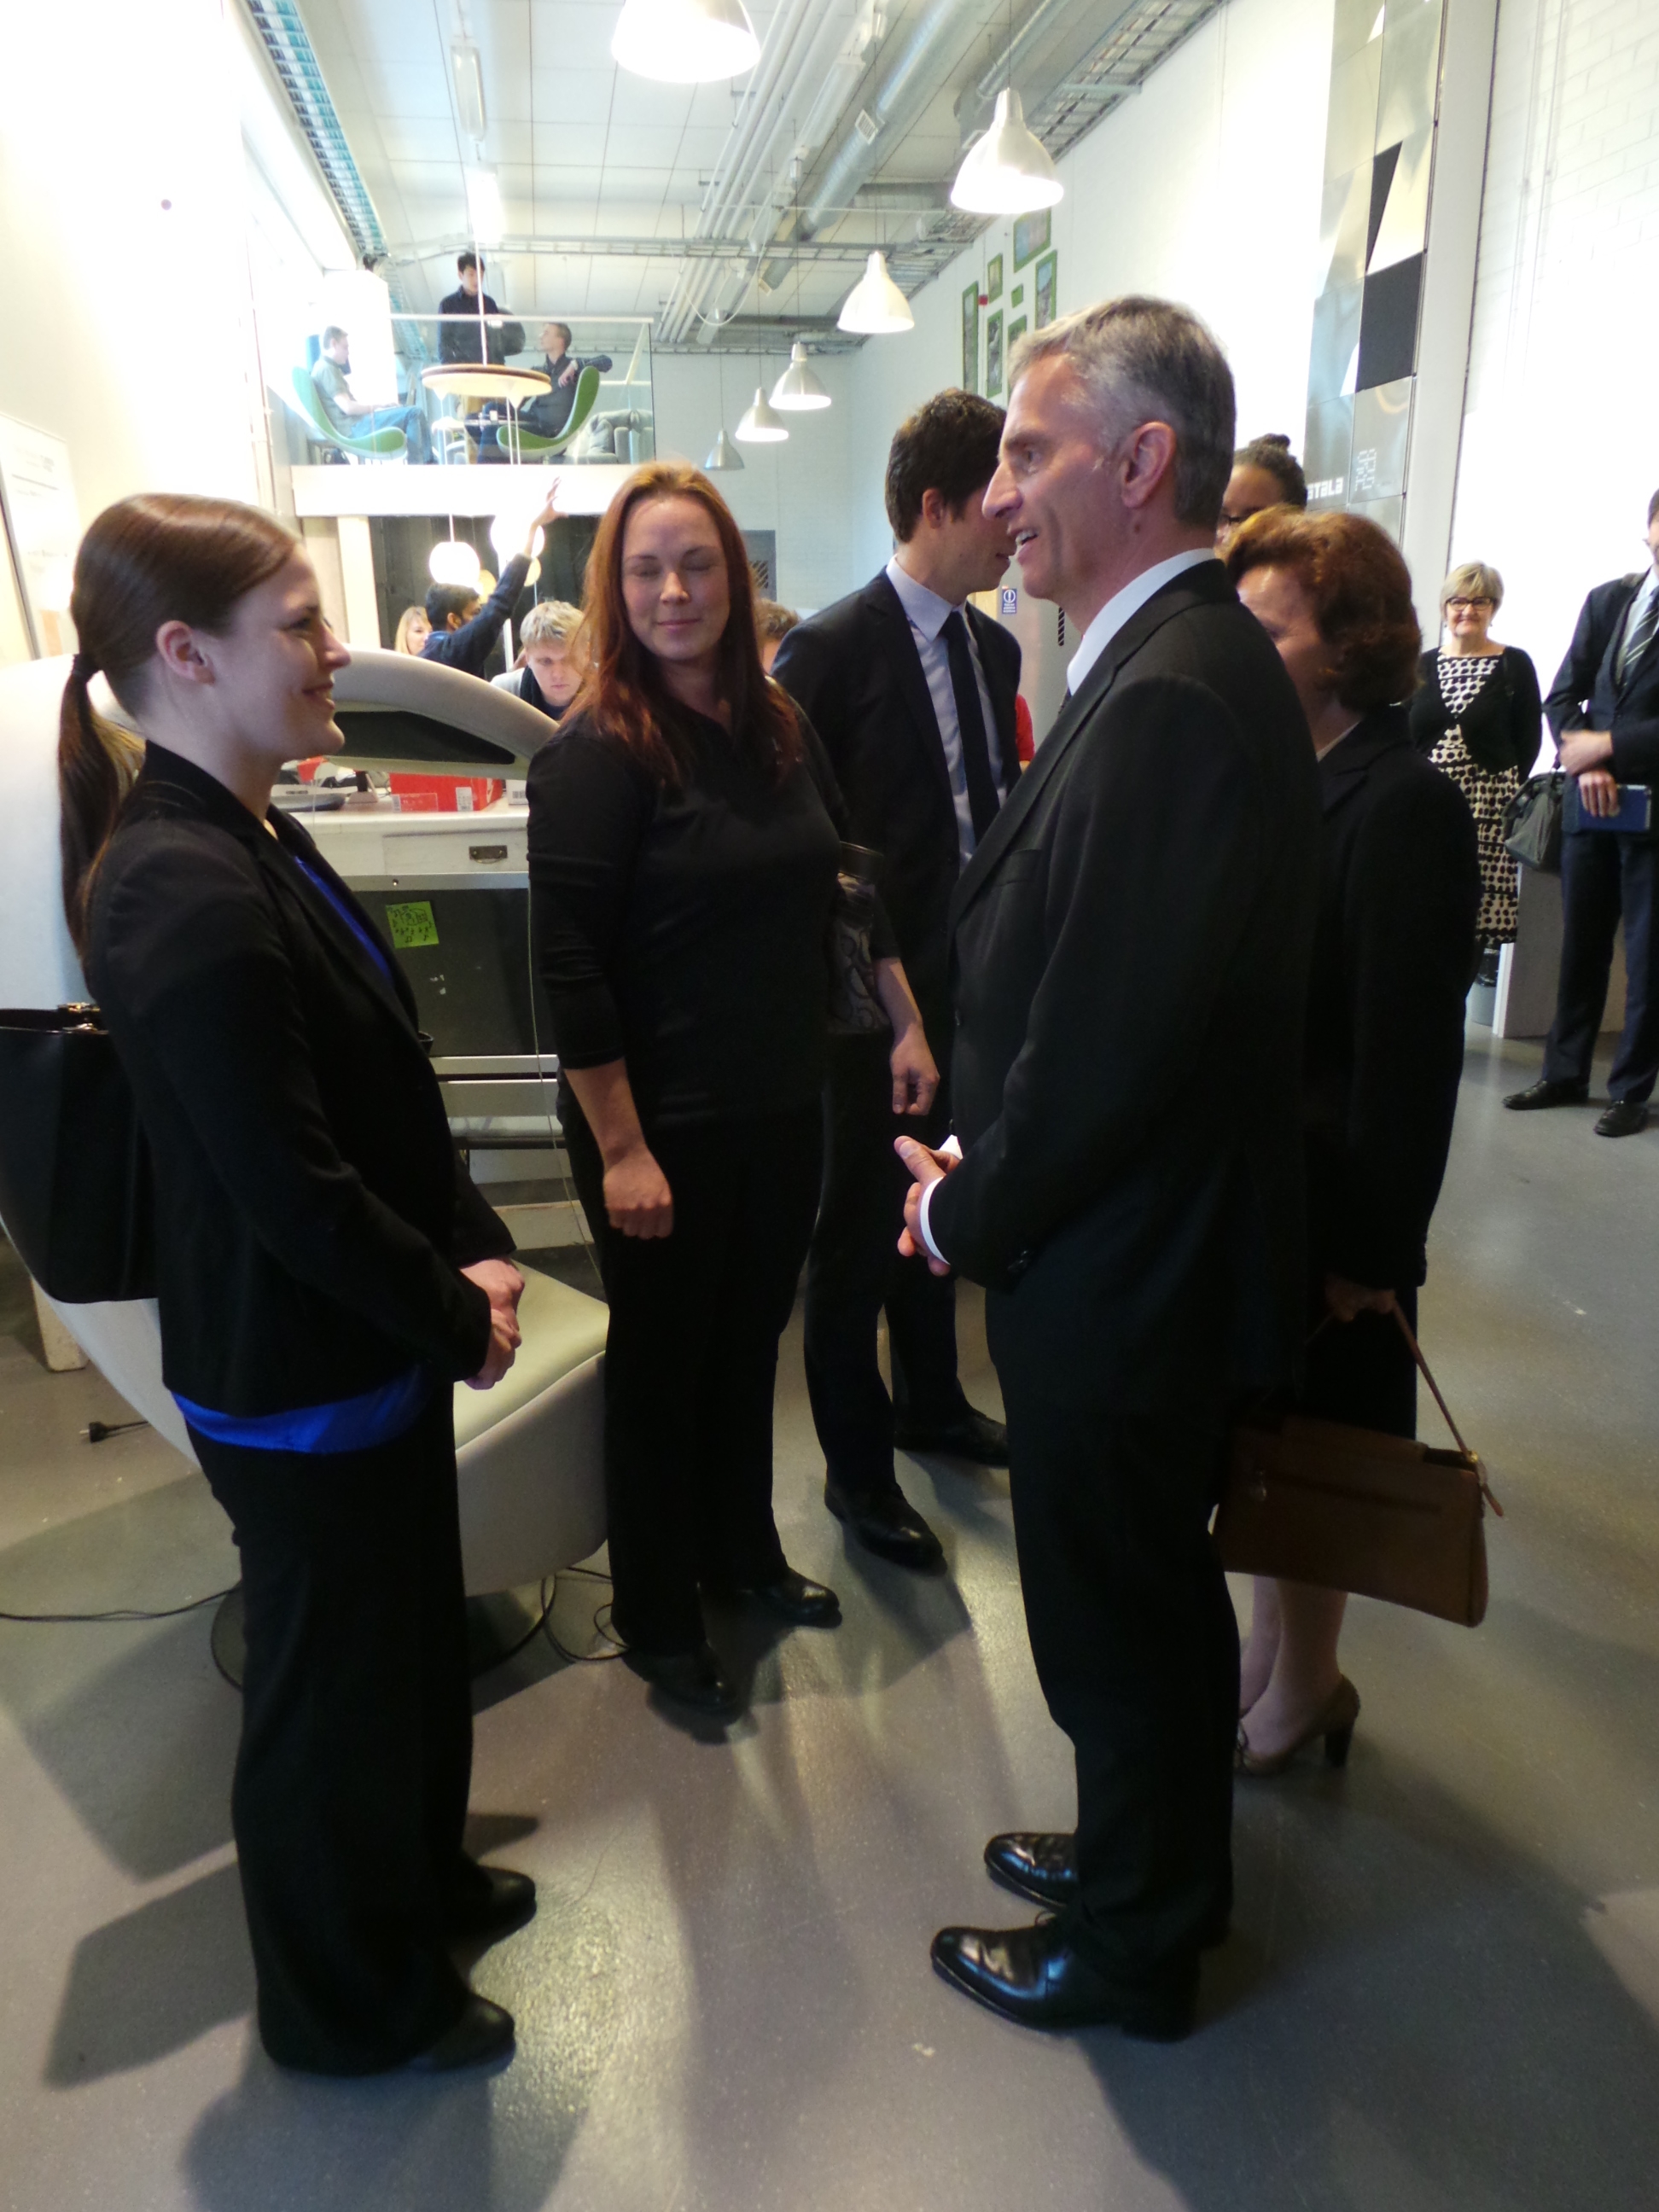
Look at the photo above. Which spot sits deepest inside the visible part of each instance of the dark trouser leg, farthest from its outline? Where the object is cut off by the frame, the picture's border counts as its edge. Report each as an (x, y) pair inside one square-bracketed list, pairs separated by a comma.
[(854, 1270), (1636, 1063), (1589, 916), (775, 1168), (352, 1779), (1135, 1645)]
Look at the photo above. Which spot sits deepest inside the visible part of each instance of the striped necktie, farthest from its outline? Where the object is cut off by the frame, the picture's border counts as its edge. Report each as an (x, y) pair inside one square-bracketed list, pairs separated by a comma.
[(1639, 635)]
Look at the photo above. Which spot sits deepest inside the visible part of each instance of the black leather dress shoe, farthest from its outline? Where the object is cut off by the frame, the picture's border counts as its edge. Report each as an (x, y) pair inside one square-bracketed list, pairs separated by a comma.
[(1624, 1118), (492, 1902), (690, 1677), (1545, 1093), (1034, 1976), (976, 1437), (808, 1604), (1044, 1867), (885, 1521), (483, 2032)]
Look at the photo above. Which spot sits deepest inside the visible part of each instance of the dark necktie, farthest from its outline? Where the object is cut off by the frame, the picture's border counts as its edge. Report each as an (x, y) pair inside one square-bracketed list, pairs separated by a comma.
[(982, 800), (1638, 638)]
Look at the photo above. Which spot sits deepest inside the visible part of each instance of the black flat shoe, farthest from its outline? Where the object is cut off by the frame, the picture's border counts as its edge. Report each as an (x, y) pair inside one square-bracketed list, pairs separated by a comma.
[(1545, 1093), (886, 1522), (483, 2032), (690, 1677), (808, 1604), (976, 1437), (1624, 1118), (491, 1903), (1044, 1867), (1033, 1976)]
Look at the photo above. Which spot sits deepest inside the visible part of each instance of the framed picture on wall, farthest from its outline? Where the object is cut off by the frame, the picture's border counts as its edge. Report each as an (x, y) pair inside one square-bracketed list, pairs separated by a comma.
[(970, 338), (1032, 233), (1016, 332), (993, 356), (993, 277), (1044, 287)]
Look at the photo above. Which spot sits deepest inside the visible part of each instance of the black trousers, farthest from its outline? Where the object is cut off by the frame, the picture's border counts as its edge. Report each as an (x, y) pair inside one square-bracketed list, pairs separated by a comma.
[(1131, 1624), (691, 1361), (1603, 876), (854, 1270), (352, 1779), (1362, 1371)]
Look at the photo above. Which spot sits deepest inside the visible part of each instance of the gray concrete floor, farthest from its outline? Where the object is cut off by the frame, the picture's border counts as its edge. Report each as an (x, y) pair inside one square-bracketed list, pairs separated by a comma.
[(1444, 1988)]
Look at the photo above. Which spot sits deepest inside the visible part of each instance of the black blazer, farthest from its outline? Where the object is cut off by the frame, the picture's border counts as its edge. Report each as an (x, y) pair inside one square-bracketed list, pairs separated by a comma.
[(312, 1211), (1585, 695), (855, 670), (1501, 723), (1400, 890), (1129, 958)]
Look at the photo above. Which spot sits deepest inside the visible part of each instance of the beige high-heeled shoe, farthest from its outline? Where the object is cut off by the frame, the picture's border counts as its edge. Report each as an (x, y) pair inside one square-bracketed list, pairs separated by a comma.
[(1334, 1723)]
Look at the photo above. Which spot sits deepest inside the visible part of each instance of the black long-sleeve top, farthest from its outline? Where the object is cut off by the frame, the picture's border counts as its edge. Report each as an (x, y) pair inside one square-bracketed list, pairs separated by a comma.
[(1501, 724), (684, 930), (468, 647)]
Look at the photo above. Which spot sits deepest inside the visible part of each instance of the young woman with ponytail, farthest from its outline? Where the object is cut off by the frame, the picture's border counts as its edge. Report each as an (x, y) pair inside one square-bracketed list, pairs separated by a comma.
[(326, 1271)]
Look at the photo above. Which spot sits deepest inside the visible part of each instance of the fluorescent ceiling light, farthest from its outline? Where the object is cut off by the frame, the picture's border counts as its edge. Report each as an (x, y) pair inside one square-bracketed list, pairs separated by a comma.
[(484, 207), (759, 426), (875, 303), (469, 87), (685, 41), (798, 390), (1008, 171)]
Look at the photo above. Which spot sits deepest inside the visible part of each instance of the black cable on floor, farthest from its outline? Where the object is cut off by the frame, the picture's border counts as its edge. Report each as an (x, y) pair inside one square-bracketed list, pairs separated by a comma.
[(583, 1658), (126, 1612)]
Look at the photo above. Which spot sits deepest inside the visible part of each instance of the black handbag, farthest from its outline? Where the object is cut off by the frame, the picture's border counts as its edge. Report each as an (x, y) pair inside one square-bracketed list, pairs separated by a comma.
[(1532, 823), (76, 1193), (854, 1008)]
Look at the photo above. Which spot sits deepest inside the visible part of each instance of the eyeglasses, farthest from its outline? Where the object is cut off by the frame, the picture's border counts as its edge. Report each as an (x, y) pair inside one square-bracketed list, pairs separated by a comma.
[(1467, 606)]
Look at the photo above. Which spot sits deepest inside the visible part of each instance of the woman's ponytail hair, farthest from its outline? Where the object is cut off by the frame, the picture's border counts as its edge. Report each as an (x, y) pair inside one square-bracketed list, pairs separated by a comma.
[(161, 557)]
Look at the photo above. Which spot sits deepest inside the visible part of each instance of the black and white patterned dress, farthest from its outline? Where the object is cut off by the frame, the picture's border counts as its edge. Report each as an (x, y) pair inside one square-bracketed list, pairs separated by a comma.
[(1461, 676)]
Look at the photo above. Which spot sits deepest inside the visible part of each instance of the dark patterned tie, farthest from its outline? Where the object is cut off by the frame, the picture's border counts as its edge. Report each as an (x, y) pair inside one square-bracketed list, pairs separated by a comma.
[(1637, 637), (982, 800)]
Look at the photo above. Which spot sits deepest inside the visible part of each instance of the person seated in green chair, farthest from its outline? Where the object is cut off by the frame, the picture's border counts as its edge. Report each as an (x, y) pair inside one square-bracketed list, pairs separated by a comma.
[(354, 418), (549, 412)]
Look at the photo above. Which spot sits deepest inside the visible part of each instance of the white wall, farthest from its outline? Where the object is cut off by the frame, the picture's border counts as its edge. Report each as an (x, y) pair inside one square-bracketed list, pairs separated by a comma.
[(1561, 433)]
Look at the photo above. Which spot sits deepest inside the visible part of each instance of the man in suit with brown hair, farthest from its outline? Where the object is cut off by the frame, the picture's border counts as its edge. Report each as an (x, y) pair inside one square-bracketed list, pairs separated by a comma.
[(1129, 958), (912, 690)]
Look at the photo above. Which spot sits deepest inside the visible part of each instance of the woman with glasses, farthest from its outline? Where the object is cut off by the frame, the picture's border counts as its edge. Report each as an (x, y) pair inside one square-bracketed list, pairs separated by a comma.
[(1476, 714)]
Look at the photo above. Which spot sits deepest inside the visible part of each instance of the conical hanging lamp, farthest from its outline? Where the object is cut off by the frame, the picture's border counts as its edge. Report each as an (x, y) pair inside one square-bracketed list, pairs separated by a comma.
[(685, 41), (797, 390), (759, 425), (1007, 172), (722, 454), (875, 305)]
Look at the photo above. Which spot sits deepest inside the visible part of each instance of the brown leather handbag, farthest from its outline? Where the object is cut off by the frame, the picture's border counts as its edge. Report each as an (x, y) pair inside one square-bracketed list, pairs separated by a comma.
[(1348, 1508)]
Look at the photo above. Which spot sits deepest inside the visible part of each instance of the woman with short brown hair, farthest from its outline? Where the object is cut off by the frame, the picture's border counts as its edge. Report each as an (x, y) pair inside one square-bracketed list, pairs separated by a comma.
[(683, 855), (1391, 962)]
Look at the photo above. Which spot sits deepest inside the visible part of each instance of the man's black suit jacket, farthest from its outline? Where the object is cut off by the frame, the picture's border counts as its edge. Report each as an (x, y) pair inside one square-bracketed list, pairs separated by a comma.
[(1129, 959), (312, 1211), (1393, 954), (856, 671), (1584, 692)]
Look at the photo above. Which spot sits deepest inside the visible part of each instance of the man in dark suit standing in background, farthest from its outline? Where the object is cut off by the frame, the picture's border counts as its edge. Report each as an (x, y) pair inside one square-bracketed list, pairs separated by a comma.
[(1604, 710), (912, 691), (1130, 948)]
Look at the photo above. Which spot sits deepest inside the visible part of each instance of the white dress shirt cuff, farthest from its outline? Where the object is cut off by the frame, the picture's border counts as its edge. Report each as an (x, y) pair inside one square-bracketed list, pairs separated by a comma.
[(954, 1149)]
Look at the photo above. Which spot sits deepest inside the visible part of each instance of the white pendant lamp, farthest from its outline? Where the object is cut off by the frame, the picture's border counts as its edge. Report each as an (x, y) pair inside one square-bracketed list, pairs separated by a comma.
[(1008, 171), (723, 454), (797, 390), (453, 560), (875, 305), (685, 41), (758, 425)]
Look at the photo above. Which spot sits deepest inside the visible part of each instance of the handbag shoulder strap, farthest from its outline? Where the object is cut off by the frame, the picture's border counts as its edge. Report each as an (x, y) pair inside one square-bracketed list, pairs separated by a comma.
[(1424, 1369)]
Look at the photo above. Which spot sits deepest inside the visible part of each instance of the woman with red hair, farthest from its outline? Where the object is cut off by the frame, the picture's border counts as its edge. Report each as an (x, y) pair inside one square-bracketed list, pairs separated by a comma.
[(683, 853), (1392, 955)]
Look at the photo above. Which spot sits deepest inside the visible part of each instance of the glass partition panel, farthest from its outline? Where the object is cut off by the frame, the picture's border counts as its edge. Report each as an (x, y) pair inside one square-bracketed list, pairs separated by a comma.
[(475, 390)]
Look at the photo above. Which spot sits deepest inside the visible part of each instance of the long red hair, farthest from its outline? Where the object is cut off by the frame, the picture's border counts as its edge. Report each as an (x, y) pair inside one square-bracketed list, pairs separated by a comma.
[(624, 691)]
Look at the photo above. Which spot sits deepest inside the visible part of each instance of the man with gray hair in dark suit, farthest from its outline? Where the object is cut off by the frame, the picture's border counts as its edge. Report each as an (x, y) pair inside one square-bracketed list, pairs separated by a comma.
[(1130, 945)]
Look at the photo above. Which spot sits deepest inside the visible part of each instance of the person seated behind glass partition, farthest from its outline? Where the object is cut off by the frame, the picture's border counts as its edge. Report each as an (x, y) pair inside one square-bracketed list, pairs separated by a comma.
[(552, 663), (464, 341), (355, 418), (548, 413)]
